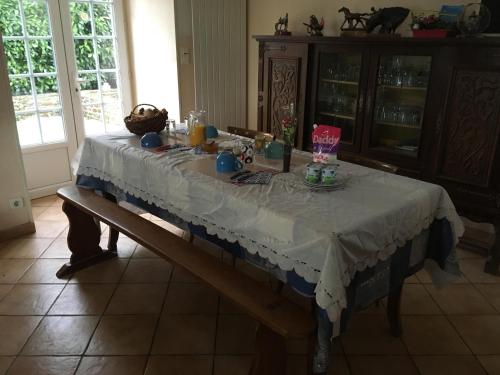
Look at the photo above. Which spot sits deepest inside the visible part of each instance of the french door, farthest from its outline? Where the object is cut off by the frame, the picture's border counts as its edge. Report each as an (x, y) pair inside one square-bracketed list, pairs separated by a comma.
[(66, 61)]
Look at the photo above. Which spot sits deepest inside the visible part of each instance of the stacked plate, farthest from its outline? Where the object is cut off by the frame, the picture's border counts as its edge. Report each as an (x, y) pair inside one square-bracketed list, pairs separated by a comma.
[(338, 184)]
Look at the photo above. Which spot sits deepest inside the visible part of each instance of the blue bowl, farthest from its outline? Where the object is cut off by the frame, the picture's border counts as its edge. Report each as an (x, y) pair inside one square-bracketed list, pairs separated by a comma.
[(151, 140)]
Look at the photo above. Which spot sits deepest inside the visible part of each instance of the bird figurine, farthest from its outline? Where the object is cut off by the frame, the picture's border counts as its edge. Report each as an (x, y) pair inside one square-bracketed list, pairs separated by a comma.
[(314, 27)]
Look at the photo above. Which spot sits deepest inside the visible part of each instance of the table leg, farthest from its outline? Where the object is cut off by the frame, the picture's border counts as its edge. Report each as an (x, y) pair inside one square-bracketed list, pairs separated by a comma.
[(393, 310), (311, 351), (270, 353), (493, 263), (83, 241), (113, 233)]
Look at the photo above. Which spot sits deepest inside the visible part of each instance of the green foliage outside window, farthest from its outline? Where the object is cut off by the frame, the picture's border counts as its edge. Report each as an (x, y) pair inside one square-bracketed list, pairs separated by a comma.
[(41, 50)]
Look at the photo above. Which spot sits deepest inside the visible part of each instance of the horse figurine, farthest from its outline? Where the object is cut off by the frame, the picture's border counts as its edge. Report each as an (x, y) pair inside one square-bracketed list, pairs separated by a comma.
[(314, 27), (355, 21), (281, 27)]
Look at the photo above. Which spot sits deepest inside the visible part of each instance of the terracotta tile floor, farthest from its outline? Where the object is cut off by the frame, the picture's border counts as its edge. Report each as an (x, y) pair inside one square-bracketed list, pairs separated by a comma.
[(137, 314)]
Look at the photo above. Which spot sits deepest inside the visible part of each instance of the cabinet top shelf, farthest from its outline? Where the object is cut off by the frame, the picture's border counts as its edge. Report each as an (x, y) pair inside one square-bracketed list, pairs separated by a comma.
[(398, 125), (412, 88), (380, 40), (339, 115), (352, 83)]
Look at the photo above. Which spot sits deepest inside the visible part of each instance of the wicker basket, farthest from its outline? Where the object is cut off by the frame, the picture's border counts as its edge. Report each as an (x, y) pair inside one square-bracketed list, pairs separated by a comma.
[(138, 124)]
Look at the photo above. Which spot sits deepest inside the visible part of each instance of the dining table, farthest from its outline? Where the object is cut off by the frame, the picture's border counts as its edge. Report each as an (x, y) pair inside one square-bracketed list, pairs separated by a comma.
[(344, 249)]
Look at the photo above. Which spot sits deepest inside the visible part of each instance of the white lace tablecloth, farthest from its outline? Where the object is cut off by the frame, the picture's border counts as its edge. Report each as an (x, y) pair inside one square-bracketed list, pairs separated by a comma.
[(325, 237)]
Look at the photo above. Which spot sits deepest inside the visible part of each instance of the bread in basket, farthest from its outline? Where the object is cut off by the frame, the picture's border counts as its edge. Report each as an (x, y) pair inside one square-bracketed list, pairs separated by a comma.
[(146, 120)]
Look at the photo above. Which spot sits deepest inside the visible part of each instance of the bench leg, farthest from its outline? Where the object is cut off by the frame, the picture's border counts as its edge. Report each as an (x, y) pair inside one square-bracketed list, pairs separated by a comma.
[(270, 353), (393, 310), (493, 263), (83, 241)]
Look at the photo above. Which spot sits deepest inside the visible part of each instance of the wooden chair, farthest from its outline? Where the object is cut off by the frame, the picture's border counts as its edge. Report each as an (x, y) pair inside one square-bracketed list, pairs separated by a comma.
[(247, 132), (370, 163)]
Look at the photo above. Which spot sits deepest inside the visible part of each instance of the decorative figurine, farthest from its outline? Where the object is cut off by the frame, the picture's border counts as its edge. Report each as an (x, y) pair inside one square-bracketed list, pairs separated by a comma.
[(387, 18), (281, 27), (355, 21), (314, 27)]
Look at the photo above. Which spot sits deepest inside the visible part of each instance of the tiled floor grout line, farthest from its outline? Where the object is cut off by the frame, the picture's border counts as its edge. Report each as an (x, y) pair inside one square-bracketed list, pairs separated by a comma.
[(484, 296), (494, 309), (105, 308), (455, 328), (119, 282), (157, 325), (215, 334), (39, 323), (402, 328), (216, 322)]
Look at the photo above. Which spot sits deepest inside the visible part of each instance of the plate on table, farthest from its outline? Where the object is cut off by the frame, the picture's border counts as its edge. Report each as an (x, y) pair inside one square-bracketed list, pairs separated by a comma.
[(339, 183)]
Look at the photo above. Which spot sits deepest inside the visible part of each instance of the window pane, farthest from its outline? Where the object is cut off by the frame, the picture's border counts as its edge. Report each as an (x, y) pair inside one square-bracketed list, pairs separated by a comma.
[(80, 19), (10, 18), (16, 57), (47, 92), (102, 19), (42, 56), (52, 127), (110, 96), (106, 53), (84, 50), (108, 80), (92, 116), (21, 94), (28, 130), (88, 88), (113, 117), (37, 18)]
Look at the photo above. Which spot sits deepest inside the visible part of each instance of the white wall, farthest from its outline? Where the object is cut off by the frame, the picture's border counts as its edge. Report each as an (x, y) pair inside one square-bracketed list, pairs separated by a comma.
[(13, 183), (152, 53)]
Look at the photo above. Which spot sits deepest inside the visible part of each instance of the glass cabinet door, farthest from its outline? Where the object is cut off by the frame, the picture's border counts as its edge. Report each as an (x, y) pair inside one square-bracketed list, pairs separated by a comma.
[(337, 95), (401, 94)]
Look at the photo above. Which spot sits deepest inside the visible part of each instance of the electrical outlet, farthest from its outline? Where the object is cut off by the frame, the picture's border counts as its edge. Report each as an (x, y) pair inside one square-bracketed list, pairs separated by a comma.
[(16, 203)]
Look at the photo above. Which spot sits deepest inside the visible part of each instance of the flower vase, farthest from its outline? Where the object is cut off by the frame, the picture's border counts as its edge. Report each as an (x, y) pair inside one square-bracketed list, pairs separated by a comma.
[(287, 157), (289, 126)]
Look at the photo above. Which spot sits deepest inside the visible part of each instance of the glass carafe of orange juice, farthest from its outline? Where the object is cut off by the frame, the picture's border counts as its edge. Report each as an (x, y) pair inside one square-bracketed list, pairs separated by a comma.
[(196, 127)]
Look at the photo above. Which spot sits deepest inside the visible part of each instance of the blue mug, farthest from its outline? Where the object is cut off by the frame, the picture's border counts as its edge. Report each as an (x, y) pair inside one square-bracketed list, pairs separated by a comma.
[(211, 131), (274, 150), (228, 162), (151, 140)]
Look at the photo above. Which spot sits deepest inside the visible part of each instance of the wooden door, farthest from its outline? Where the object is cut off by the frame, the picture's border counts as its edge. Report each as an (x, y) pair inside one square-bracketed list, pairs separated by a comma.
[(468, 160), (401, 106), (282, 80), (338, 77)]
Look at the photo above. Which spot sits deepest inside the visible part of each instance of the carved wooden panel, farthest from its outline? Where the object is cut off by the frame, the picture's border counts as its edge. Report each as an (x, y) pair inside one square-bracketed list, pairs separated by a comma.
[(284, 89), (472, 128)]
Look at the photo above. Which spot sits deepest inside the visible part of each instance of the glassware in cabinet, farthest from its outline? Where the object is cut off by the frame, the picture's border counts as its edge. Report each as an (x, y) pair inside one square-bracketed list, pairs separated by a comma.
[(401, 95), (338, 91)]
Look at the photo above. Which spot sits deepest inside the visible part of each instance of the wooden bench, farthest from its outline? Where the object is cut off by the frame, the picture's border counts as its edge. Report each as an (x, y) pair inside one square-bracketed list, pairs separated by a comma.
[(279, 319)]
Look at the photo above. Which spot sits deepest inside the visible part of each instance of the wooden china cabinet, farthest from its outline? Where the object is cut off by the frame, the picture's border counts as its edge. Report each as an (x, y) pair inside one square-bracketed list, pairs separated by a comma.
[(429, 106)]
